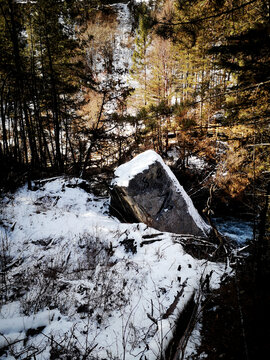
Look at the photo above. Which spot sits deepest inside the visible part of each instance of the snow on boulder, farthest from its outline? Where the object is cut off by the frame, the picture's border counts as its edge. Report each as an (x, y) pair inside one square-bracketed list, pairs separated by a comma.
[(146, 190)]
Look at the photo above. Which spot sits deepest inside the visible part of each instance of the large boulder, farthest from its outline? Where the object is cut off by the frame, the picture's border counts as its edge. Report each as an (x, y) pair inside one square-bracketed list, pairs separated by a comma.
[(146, 190)]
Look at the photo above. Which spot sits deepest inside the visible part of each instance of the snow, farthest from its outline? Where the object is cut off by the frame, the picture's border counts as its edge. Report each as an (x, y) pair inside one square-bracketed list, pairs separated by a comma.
[(71, 274), (138, 164), (18, 324), (197, 162), (193, 342), (141, 1), (193, 161), (122, 53), (143, 161)]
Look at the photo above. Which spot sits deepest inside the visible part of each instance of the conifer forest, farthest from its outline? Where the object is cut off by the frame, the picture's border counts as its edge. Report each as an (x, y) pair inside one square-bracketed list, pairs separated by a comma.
[(85, 87)]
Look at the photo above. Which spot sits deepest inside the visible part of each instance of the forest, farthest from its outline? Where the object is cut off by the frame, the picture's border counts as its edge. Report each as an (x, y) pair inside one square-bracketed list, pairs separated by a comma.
[(85, 85), (198, 73)]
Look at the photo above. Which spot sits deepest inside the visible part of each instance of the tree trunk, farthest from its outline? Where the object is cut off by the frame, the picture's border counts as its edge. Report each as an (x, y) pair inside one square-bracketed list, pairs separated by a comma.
[(94, 137), (3, 118), (59, 160)]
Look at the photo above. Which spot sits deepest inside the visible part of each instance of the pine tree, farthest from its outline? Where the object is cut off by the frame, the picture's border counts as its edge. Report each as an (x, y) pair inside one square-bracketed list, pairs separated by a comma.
[(40, 74), (140, 59), (15, 77), (246, 54)]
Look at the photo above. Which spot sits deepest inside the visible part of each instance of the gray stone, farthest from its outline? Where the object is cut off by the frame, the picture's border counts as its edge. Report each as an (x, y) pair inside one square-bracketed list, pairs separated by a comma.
[(151, 194)]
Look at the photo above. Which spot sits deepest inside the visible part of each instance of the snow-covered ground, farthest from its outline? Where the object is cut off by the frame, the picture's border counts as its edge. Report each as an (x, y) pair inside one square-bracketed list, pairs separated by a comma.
[(77, 281), (193, 161)]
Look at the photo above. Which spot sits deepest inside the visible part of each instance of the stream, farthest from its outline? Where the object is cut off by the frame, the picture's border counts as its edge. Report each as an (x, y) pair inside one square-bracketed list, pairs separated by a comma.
[(236, 229)]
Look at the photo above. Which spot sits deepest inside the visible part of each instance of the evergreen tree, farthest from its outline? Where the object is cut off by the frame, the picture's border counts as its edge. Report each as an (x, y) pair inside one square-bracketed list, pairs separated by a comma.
[(246, 54), (15, 76), (140, 59), (57, 48), (40, 75)]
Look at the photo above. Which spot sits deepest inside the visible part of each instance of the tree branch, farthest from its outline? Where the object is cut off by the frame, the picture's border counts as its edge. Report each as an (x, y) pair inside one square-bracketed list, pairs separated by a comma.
[(197, 20)]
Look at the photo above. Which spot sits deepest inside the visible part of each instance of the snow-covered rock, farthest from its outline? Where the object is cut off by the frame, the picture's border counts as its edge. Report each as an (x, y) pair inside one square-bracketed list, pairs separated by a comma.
[(145, 189)]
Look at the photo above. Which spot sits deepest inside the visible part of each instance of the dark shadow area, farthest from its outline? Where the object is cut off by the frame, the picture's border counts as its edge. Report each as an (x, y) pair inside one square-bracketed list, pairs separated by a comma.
[(236, 316)]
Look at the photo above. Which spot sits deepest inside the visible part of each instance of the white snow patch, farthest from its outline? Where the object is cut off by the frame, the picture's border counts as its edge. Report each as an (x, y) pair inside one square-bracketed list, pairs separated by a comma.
[(24, 323), (197, 162), (68, 254)]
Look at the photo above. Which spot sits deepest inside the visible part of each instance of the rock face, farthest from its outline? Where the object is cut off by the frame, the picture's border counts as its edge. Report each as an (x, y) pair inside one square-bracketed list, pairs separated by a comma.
[(146, 190)]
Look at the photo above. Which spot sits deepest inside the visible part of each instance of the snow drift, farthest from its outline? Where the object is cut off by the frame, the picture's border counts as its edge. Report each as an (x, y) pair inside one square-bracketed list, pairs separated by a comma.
[(79, 282)]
